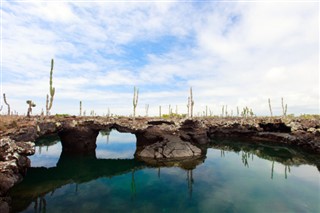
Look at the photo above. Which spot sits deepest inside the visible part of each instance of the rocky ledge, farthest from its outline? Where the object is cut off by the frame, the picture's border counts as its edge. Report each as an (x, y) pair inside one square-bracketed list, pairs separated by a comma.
[(13, 165)]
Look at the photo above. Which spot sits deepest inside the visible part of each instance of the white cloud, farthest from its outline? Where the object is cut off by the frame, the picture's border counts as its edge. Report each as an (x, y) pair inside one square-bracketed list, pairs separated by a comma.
[(235, 54)]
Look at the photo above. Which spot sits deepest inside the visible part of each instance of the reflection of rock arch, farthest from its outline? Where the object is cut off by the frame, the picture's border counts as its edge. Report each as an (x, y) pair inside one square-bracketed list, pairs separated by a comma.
[(78, 168)]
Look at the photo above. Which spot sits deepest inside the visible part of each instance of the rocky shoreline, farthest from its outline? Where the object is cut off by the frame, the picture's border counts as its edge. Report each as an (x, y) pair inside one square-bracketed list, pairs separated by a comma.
[(13, 166), (157, 139)]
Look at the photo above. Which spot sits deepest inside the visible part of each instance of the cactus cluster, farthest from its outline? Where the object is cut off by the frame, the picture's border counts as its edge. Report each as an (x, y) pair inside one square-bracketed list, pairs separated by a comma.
[(52, 91)]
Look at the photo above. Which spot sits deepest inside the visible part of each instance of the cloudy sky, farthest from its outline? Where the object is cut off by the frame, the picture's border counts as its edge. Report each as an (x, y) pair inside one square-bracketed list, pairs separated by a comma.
[(231, 53)]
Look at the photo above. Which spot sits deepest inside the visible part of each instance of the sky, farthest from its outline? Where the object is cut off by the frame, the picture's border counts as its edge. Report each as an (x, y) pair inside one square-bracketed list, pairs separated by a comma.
[(232, 53)]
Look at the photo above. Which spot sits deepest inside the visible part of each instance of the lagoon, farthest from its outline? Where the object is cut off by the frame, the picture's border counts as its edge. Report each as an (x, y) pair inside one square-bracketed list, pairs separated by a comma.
[(234, 176)]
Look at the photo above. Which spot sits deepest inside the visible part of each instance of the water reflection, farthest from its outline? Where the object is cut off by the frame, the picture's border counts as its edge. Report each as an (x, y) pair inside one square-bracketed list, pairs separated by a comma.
[(233, 176), (47, 151), (282, 154)]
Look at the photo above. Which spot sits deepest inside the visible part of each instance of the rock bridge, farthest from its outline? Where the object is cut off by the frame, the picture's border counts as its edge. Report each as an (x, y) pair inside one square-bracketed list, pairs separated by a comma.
[(155, 138), (160, 138)]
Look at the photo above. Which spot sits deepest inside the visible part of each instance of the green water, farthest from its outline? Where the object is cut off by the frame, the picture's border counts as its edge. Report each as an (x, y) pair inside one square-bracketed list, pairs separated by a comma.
[(235, 176)]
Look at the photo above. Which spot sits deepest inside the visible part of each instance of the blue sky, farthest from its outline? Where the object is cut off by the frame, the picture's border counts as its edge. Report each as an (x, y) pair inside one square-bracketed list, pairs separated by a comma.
[(232, 53)]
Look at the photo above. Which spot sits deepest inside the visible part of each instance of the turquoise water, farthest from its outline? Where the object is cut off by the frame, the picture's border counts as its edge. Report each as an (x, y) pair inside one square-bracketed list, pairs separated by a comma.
[(234, 177)]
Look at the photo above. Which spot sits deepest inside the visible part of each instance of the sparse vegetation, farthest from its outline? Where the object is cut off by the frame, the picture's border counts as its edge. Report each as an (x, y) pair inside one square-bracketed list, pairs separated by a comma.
[(174, 115), (62, 115)]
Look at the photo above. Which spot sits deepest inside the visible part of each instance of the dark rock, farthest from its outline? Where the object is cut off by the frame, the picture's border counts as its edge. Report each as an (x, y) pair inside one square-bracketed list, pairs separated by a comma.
[(193, 131), (4, 204), (160, 122), (170, 149), (231, 129), (26, 134), (149, 136), (13, 162), (121, 128), (79, 140), (47, 128), (275, 127)]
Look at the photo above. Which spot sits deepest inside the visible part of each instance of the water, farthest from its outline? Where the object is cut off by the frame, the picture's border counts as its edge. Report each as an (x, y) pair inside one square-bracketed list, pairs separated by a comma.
[(234, 177)]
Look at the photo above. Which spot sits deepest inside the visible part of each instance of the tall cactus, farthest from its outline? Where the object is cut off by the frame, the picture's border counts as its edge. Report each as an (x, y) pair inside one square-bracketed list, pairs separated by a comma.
[(80, 108), (284, 108), (135, 100), (52, 91), (5, 101), (269, 101), (30, 105), (147, 109), (190, 103)]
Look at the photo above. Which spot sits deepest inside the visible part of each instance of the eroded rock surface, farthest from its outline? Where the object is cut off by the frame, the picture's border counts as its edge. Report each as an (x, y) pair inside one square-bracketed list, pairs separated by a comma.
[(13, 165), (170, 149), (79, 140)]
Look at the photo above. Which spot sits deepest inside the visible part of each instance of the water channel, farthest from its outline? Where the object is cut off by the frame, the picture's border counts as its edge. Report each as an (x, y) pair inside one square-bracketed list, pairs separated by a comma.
[(234, 176)]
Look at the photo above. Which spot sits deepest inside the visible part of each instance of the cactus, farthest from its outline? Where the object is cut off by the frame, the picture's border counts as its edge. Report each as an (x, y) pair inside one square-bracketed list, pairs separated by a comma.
[(30, 105), (135, 100), (188, 106), (147, 109), (245, 112), (226, 110), (222, 110), (284, 108), (80, 108), (52, 91), (237, 111), (108, 113), (5, 101), (190, 103), (251, 113), (206, 111), (160, 111), (269, 101)]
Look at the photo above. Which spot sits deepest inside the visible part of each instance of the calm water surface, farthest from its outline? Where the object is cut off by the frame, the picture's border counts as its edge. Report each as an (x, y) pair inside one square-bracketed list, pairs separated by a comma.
[(232, 178)]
